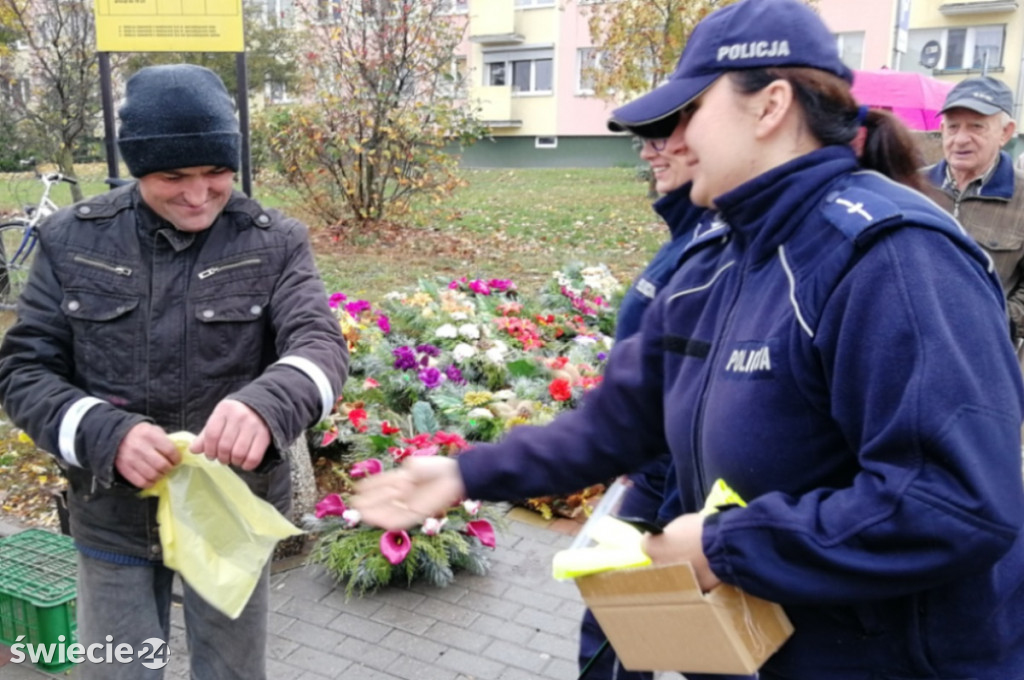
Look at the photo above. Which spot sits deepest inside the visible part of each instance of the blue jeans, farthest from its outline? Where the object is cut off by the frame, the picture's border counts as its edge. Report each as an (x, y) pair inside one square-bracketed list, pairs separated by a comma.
[(132, 604)]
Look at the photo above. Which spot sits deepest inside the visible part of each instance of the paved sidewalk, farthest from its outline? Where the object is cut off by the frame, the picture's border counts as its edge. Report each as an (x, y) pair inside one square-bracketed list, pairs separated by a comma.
[(515, 623)]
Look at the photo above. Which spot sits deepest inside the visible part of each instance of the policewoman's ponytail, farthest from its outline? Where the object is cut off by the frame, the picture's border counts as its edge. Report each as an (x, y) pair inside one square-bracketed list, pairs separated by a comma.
[(834, 117)]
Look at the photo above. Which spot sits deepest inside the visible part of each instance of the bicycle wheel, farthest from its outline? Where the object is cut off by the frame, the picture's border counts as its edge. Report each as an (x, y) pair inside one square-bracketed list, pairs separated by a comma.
[(17, 250)]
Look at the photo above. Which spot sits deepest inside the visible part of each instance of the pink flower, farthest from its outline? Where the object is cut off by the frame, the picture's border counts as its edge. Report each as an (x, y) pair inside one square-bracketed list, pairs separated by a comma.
[(330, 505), (426, 451), (479, 287), (395, 545), (472, 507), (369, 383), (483, 531), (365, 468), (336, 299), (329, 436), (384, 323)]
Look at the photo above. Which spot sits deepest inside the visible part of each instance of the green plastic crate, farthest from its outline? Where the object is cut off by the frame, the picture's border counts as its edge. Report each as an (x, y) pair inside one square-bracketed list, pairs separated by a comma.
[(37, 591)]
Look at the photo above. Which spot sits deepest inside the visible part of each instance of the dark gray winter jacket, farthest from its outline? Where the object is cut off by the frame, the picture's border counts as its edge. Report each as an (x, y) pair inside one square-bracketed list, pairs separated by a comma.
[(126, 319)]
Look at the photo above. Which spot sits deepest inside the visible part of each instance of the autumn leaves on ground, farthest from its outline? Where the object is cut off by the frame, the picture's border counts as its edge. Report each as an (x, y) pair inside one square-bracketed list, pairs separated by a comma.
[(511, 224)]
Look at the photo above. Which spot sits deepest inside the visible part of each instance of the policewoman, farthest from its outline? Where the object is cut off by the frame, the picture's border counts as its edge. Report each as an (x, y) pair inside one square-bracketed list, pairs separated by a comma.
[(837, 351)]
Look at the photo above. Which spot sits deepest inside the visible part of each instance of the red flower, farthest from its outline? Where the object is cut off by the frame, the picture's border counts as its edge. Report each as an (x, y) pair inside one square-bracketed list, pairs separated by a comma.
[(386, 428), (329, 436), (559, 362), (357, 417), (450, 439), (419, 441), (560, 390)]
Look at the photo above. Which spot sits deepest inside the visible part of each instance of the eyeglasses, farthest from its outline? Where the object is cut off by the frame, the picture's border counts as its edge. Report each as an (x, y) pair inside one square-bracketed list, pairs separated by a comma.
[(657, 144)]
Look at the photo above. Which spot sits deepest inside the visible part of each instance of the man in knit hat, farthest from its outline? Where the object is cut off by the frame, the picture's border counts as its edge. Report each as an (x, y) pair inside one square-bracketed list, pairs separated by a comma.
[(172, 303)]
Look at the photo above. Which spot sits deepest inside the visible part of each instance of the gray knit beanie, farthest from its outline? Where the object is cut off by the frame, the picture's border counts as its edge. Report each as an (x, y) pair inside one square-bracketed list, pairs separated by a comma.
[(177, 116)]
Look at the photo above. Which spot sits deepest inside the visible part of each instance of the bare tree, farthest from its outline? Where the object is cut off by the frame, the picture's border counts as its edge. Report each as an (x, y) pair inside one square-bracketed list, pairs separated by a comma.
[(62, 107)]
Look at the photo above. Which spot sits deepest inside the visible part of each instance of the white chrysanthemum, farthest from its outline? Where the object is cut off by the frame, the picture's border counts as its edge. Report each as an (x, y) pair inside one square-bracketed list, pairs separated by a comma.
[(585, 340), (462, 351), (446, 331), (351, 517), (481, 414), (394, 295), (459, 316), (468, 330), (504, 395), (432, 525), (495, 355)]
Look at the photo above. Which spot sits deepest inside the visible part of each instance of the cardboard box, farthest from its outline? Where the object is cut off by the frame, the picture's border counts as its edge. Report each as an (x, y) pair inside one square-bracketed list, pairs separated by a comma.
[(657, 619)]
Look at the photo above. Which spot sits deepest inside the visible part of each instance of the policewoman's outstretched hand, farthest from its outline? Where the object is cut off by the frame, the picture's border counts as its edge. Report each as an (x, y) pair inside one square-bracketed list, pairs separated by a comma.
[(420, 488)]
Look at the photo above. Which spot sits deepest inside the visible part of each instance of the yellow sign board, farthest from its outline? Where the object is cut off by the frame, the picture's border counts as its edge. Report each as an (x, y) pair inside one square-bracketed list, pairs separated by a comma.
[(169, 26)]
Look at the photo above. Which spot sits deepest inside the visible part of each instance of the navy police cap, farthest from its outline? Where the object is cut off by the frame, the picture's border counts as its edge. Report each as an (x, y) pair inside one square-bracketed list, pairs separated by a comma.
[(747, 35)]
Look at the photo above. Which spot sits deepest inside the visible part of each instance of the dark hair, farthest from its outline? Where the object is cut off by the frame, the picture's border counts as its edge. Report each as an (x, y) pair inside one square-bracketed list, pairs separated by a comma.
[(833, 117)]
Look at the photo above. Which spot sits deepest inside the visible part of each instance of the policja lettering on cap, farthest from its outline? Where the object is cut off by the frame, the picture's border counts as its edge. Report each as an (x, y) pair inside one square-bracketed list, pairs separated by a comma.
[(753, 50)]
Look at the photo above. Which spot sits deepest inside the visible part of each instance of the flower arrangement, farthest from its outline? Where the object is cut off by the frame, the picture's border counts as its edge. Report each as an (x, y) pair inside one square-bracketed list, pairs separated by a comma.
[(433, 369)]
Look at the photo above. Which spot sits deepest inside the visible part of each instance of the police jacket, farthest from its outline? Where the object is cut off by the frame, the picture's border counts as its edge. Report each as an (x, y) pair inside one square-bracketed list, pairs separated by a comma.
[(839, 355), (125, 319), (995, 218)]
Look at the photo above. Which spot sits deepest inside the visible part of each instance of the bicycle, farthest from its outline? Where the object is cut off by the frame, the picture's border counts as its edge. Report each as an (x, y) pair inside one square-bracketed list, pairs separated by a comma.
[(18, 237)]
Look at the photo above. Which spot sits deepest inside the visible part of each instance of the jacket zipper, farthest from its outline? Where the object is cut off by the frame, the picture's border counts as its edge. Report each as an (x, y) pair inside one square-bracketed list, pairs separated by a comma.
[(716, 344), (117, 269), (207, 273)]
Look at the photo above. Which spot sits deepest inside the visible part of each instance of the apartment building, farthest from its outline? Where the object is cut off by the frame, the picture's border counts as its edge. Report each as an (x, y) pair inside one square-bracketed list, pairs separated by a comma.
[(525, 61)]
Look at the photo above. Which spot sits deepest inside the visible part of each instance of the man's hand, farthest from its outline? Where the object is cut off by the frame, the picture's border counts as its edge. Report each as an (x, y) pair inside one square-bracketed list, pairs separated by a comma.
[(421, 488), (145, 455), (234, 434)]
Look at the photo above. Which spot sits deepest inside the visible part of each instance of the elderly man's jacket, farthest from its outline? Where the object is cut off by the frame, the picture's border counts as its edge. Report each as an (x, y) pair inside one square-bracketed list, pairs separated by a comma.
[(995, 218)]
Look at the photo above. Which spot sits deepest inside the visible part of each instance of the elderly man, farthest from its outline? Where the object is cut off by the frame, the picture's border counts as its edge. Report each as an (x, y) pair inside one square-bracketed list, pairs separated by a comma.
[(977, 183)]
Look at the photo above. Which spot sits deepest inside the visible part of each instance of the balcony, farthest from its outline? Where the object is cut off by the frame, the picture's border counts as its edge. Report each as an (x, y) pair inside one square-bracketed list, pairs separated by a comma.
[(495, 25), (979, 7), (495, 103)]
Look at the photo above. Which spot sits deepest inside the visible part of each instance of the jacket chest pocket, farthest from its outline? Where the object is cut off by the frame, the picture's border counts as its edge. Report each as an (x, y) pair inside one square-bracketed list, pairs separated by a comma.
[(108, 334), (230, 335)]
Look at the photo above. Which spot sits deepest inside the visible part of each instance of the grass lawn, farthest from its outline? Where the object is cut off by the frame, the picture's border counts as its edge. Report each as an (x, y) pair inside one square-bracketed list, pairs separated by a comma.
[(519, 224)]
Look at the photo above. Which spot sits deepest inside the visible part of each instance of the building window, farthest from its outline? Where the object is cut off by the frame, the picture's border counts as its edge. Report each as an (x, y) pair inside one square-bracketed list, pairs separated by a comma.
[(545, 142), (280, 12), (535, 3), (528, 71), (588, 59), (969, 48), (851, 48), (277, 93), (454, 6), (453, 82)]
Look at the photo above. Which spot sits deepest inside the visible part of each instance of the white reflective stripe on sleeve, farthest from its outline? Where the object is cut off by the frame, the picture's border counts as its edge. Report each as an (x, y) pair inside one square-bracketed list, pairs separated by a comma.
[(319, 378), (69, 428)]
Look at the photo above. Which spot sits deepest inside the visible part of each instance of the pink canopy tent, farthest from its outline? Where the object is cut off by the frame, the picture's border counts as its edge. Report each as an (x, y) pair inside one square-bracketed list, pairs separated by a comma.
[(914, 98)]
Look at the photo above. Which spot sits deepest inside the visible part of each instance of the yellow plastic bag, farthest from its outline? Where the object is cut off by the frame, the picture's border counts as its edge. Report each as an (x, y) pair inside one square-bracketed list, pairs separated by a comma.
[(214, 531)]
